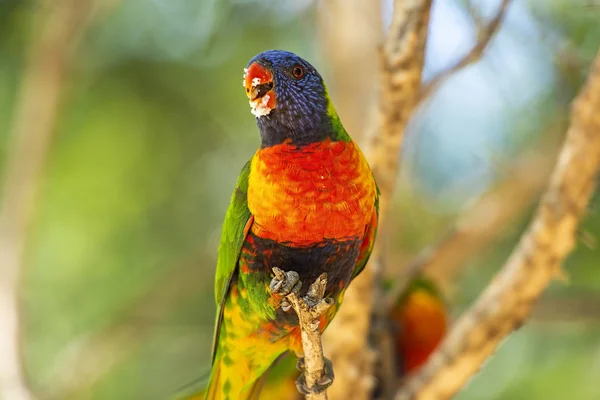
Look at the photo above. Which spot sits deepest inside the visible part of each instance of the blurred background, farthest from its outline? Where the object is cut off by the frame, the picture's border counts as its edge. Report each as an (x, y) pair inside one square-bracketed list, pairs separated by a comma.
[(154, 127)]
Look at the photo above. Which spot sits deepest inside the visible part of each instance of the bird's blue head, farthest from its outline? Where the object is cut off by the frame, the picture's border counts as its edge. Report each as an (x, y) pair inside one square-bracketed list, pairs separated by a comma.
[(289, 100)]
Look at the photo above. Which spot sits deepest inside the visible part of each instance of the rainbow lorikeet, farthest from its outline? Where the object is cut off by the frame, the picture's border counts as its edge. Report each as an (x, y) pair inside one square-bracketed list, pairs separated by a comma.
[(420, 322), (306, 202)]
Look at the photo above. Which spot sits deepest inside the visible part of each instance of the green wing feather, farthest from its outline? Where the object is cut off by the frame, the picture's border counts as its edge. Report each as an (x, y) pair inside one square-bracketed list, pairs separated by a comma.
[(230, 246)]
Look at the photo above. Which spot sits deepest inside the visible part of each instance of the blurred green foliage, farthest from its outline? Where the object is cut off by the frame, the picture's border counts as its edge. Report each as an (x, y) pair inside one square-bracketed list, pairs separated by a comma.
[(153, 131)]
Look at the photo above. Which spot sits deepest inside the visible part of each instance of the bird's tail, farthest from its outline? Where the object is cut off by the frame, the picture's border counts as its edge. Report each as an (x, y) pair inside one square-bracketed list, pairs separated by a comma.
[(222, 387)]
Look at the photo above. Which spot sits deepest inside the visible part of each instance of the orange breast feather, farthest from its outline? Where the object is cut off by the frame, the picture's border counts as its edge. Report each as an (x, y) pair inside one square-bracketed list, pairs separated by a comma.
[(303, 195)]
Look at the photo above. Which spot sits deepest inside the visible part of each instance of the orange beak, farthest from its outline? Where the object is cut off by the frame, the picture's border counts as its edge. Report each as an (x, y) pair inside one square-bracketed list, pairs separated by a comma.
[(258, 81)]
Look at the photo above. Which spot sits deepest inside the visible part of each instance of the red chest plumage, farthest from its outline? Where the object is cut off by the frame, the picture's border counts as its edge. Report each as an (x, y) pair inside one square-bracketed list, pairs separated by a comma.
[(302, 195)]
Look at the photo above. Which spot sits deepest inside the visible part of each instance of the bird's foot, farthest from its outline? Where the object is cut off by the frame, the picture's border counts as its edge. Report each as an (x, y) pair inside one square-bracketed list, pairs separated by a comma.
[(321, 385), (285, 283)]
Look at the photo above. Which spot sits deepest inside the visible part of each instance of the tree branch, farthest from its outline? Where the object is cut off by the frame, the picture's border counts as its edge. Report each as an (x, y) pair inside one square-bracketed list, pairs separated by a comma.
[(484, 37), (402, 59), (42, 83), (309, 310), (507, 302), (401, 64)]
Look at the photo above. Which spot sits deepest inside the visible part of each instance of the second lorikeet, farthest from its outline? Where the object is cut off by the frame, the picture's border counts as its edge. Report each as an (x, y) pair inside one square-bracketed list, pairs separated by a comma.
[(305, 202), (420, 321)]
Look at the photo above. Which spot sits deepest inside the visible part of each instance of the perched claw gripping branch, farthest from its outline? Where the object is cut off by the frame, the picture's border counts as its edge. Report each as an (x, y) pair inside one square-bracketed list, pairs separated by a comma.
[(317, 371)]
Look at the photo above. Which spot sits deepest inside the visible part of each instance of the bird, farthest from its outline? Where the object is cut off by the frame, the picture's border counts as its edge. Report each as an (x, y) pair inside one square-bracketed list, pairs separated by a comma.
[(419, 322), (306, 203)]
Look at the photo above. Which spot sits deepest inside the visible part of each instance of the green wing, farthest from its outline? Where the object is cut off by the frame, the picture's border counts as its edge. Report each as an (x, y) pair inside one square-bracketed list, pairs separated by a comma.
[(230, 246)]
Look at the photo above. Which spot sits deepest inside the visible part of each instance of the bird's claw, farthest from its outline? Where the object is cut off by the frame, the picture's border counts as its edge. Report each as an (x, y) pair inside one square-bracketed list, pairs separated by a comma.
[(284, 283), (321, 385)]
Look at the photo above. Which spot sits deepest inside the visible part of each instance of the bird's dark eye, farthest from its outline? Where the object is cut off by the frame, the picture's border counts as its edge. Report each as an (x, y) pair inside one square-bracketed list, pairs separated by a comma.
[(298, 71)]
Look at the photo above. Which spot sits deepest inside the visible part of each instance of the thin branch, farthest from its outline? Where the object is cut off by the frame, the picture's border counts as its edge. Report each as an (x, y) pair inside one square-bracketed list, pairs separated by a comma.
[(508, 300), (401, 63), (309, 310), (484, 37), (37, 106), (402, 59)]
